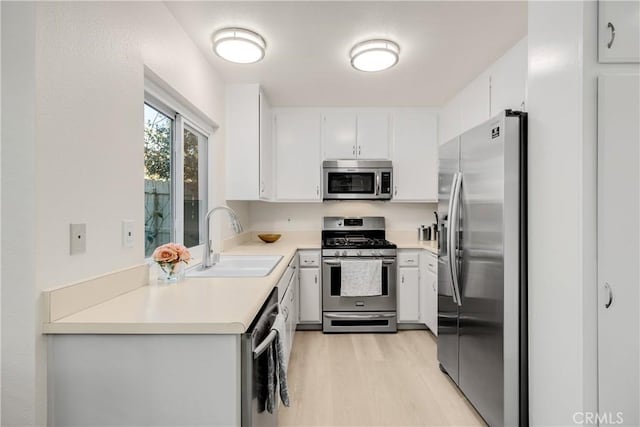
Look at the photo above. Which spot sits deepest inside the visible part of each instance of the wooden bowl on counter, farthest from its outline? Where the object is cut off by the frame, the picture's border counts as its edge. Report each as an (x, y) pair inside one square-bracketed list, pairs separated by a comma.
[(269, 238)]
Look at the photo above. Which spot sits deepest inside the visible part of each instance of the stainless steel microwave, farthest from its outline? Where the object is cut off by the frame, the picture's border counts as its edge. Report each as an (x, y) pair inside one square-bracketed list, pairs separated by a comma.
[(357, 179)]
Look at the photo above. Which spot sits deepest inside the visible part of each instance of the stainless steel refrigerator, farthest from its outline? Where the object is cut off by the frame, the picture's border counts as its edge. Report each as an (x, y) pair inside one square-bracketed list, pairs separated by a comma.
[(482, 267)]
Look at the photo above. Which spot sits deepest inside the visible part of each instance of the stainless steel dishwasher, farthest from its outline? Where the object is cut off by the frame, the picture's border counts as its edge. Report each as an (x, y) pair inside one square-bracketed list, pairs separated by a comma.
[(254, 344)]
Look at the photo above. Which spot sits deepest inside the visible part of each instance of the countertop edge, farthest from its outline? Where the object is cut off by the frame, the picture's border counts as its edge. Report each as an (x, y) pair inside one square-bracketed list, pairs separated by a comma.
[(62, 328)]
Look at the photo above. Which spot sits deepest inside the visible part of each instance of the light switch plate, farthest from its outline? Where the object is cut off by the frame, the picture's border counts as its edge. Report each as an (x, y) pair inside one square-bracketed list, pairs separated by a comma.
[(77, 239), (127, 233)]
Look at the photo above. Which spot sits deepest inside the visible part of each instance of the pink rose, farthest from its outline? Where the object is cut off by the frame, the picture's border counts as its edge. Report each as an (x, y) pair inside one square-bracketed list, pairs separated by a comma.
[(183, 254), (165, 253)]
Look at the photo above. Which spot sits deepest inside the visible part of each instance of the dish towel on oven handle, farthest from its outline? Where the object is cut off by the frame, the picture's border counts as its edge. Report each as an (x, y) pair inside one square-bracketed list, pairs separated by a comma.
[(361, 278), (277, 366)]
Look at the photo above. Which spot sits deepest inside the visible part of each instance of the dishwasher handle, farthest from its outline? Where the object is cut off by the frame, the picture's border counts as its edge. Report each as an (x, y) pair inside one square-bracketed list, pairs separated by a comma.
[(260, 348)]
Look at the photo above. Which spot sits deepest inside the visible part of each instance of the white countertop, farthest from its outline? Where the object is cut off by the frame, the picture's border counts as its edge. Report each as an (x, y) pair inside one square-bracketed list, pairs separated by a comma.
[(195, 305)]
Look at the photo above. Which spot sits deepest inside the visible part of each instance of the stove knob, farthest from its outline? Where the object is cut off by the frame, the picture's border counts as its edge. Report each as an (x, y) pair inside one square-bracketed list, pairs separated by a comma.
[(376, 253), (359, 253), (337, 253), (344, 253)]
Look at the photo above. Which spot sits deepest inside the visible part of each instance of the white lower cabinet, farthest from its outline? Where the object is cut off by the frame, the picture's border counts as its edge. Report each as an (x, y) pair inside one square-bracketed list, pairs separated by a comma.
[(429, 290), (310, 287), (408, 286), (408, 295)]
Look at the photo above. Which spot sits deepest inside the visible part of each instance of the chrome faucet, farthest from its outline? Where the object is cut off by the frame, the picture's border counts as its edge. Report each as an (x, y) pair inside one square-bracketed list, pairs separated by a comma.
[(209, 257)]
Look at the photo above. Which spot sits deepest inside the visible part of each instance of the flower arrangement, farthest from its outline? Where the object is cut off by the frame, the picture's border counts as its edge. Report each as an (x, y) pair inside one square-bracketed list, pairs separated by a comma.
[(169, 257)]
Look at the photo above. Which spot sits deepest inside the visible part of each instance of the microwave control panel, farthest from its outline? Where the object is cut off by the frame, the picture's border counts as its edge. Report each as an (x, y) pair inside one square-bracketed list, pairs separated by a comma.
[(386, 183)]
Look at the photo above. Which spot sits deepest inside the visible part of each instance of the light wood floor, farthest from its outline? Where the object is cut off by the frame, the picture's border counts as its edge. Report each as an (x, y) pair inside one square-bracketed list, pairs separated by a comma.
[(371, 380)]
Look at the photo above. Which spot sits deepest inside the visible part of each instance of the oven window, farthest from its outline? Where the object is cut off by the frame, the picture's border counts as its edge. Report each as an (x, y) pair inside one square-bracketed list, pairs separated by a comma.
[(356, 183), (336, 273)]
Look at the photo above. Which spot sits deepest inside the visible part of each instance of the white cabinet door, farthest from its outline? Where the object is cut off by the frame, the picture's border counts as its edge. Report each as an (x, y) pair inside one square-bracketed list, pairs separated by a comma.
[(449, 124), (474, 103), (619, 31), (242, 146), (509, 79), (266, 150), (618, 247), (310, 295), (298, 164), (373, 135), (415, 157), (408, 294), (339, 135), (429, 291)]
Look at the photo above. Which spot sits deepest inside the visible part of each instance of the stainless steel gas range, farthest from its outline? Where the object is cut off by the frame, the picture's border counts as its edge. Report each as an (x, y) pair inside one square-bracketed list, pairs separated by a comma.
[(348, 239)]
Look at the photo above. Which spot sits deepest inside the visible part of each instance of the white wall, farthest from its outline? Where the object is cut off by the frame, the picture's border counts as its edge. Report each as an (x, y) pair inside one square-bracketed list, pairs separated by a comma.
[(87, 62), (308, 216)]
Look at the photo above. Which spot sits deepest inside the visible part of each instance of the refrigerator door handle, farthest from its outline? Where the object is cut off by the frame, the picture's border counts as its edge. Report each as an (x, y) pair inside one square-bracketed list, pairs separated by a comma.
[(453, 231), (451, 257)]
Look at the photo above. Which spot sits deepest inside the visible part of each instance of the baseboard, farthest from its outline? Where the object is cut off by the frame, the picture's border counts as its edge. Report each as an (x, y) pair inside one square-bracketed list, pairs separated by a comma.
[(309, 327), (412, 326)]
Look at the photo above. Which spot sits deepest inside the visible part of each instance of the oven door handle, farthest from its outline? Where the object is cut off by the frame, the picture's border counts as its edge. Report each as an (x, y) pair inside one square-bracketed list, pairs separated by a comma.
[(385, 261), (359, 316)]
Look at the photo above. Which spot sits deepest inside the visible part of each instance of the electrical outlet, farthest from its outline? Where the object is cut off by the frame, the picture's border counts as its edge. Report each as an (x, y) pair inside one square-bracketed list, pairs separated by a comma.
[(127, 233), (77, 239)]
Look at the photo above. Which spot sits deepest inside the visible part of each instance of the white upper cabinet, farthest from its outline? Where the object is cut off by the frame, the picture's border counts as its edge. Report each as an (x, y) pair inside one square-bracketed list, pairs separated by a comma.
[(248, 121), (415, 156), (339, 135), (509, 80), (475, 102), (619, 31), (266, 150), (449, 120), (373, 135), (355, 134), (298, 157), (501, 86)]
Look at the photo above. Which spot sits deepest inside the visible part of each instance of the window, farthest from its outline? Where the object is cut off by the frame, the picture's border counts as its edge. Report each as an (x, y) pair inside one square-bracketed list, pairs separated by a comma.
[(175, 177)]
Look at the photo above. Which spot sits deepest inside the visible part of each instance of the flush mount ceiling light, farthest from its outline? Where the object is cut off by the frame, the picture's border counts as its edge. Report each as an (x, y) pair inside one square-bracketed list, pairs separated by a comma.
[(238, 45), (374, 55)]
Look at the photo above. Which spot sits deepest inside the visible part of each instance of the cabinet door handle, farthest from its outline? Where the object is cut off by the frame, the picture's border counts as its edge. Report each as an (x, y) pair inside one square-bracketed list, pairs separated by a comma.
[(354, 150), (402, 280), (607, 287), (359, 149), (317, 190), (315, 279), (396, 190), (613, 35)]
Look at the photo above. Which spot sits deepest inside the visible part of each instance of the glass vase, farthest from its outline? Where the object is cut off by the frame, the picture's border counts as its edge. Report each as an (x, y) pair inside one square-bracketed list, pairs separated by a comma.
[(170, 273)]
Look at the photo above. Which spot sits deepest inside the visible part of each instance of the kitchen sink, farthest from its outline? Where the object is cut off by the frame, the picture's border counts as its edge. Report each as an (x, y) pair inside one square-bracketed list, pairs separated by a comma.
[(239, 266)]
